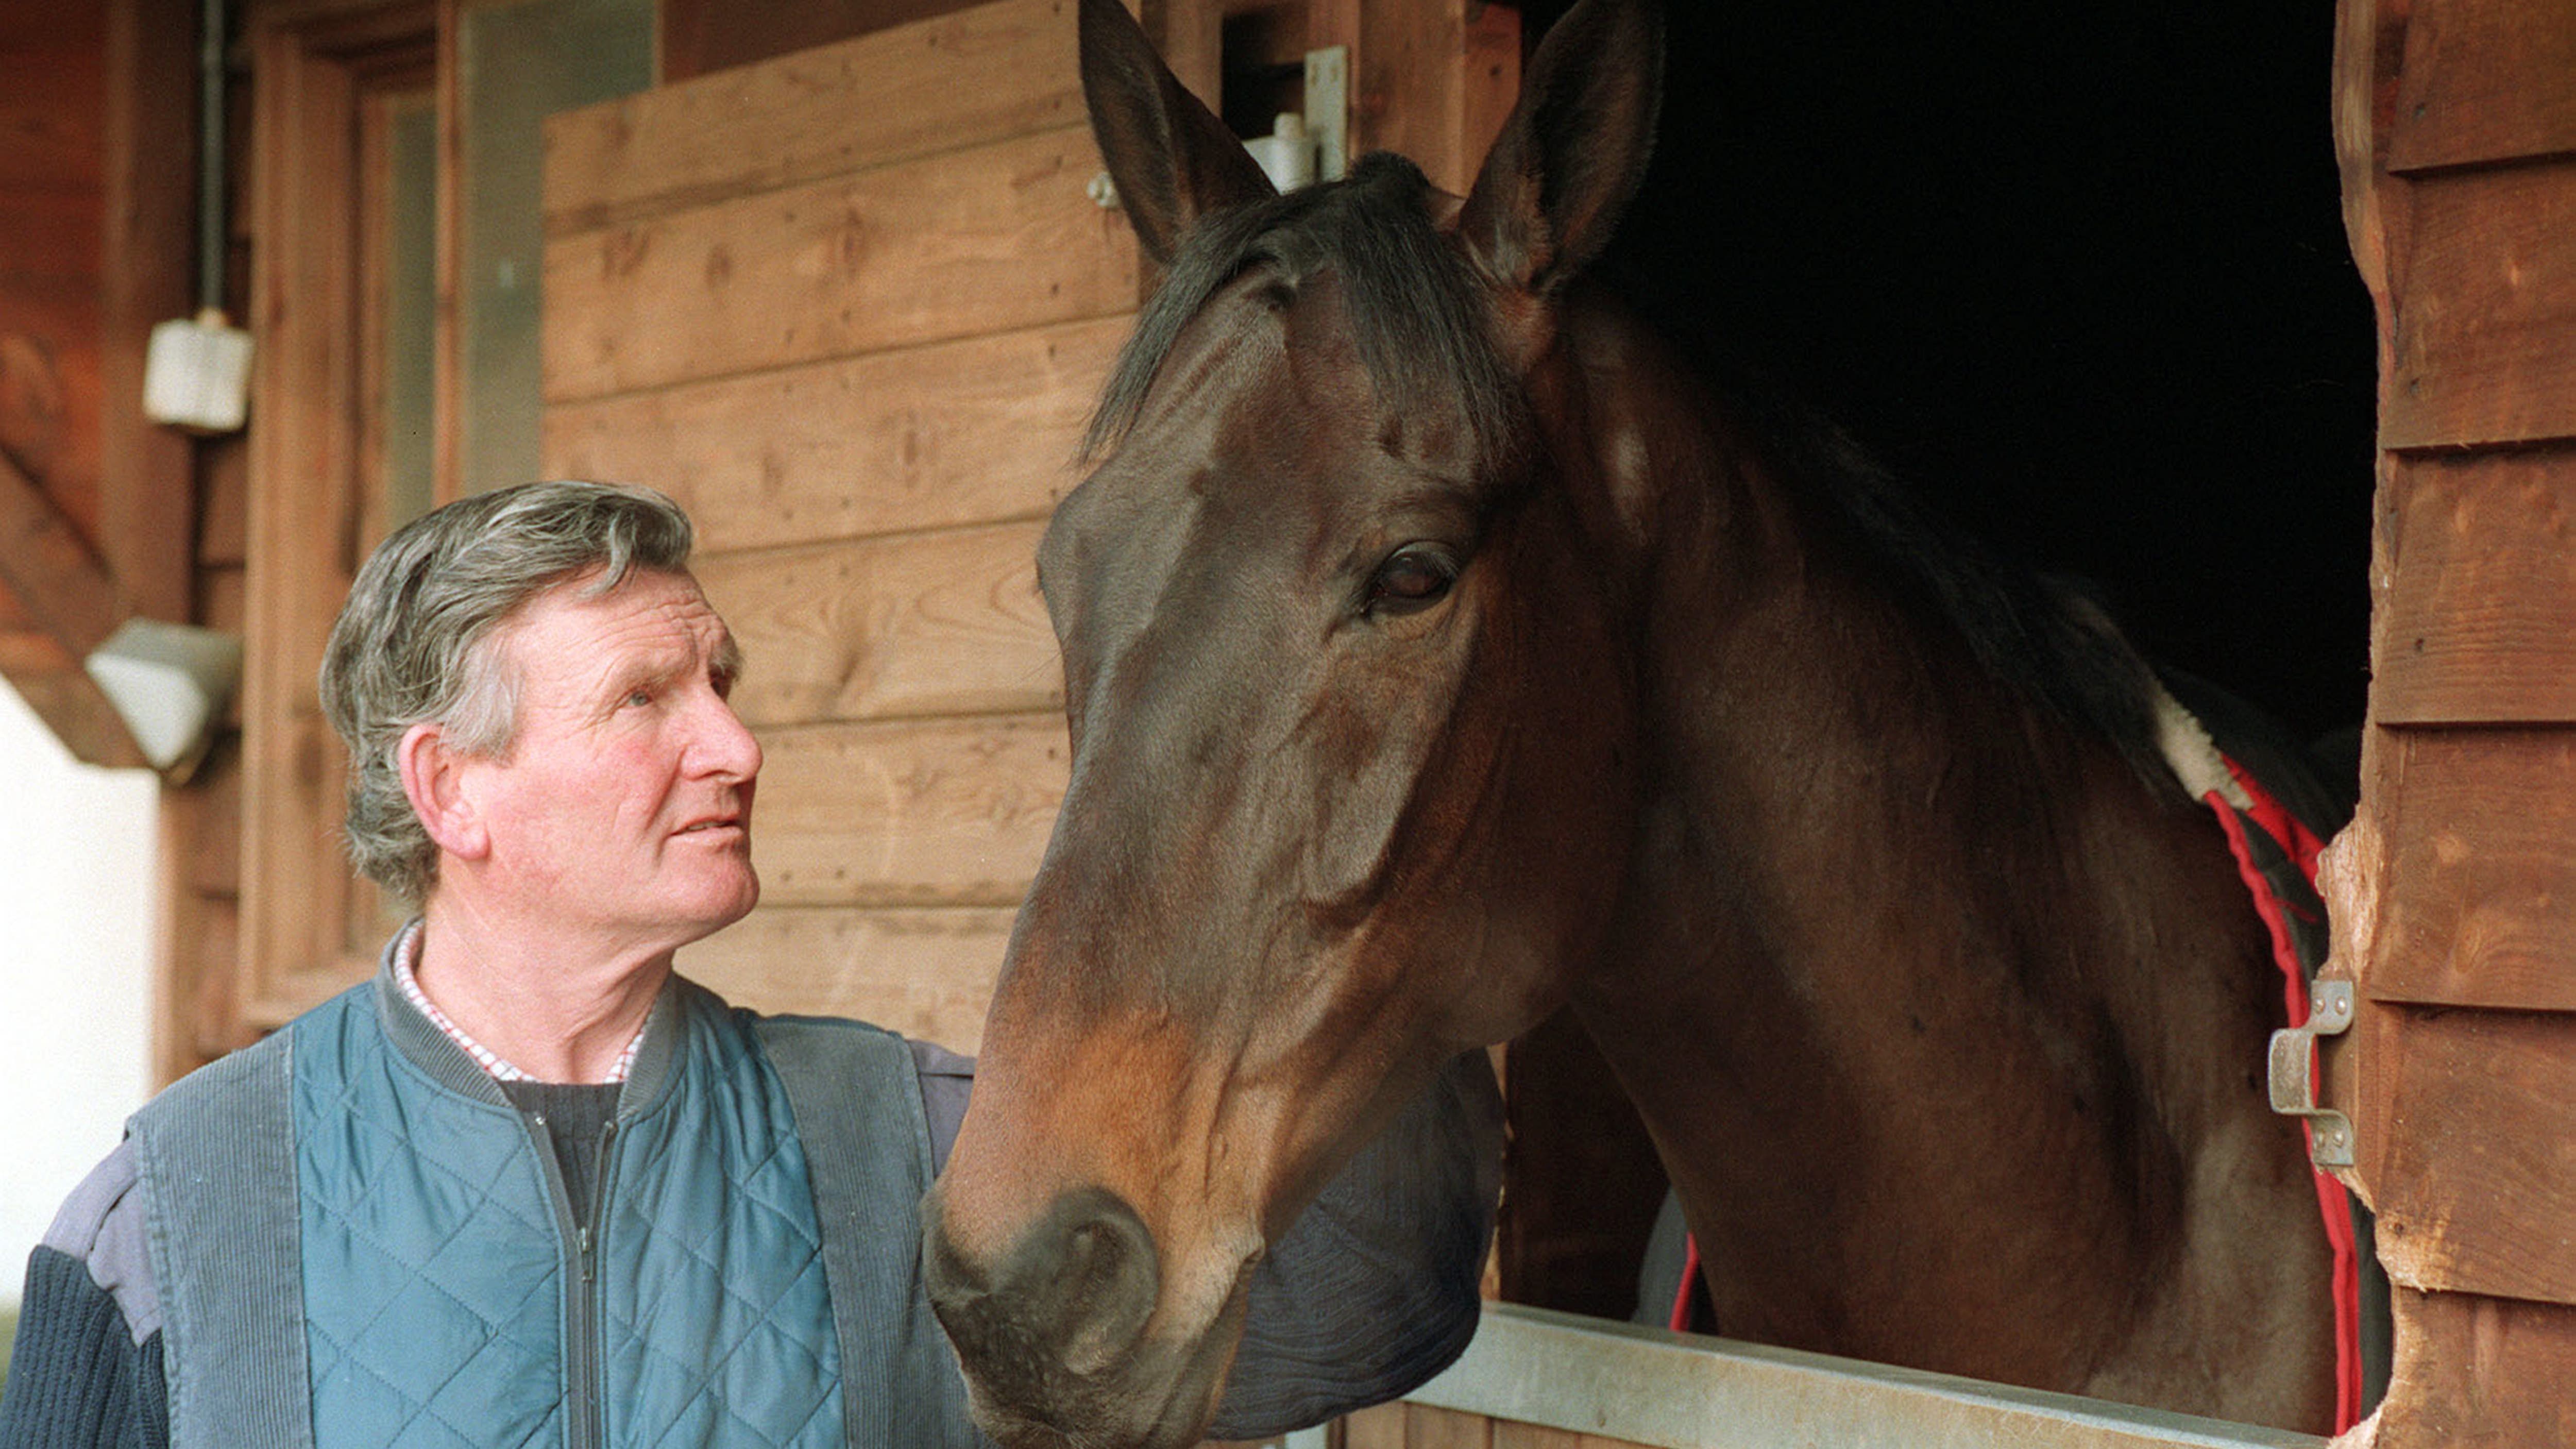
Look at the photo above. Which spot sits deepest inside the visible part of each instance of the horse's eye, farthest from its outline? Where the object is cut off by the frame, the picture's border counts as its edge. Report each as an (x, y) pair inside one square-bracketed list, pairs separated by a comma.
[(1413, 578)]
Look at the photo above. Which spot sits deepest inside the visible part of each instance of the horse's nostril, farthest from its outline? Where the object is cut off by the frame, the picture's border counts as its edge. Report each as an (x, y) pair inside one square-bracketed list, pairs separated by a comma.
[(1071, 1296), (1108, 1284)]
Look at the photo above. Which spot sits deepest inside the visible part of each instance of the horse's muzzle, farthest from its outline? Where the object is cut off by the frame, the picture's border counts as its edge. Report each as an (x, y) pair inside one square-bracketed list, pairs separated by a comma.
[(1049, 1331)]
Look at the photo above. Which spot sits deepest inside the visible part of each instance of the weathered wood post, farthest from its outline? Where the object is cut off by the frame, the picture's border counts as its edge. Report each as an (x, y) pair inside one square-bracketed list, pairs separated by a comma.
[(2454, 891)]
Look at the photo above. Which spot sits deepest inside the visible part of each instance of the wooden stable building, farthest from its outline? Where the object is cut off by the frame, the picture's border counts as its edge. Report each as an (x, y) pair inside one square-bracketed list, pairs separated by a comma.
[(837, 277)]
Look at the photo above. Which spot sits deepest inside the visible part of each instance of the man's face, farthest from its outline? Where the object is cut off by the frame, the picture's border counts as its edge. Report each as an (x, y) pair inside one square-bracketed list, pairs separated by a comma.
[(622, 809)]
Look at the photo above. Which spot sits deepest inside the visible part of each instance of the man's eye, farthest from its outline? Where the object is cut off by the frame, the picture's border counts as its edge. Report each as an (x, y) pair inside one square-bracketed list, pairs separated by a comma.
[(639, 697)]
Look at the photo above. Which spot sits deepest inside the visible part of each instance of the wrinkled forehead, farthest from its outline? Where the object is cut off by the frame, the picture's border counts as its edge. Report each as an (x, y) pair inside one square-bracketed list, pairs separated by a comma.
[(582, 623)]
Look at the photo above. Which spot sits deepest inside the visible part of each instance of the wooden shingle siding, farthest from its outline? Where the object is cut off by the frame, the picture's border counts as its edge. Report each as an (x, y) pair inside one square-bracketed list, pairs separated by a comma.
[(2455, 892), (2478, 620), (942, 623), (962, 244), (851, 307), (2485, 83), (981, 430), (908, 813), (2486, 300), (932, 969), (2476, 908), (984, 74), (2473, 1172)]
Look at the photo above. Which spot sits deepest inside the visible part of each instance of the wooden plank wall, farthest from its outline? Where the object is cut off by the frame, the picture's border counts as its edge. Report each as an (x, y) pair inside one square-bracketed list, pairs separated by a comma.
[(1419, 1426), (2456, 120), (850, 307)]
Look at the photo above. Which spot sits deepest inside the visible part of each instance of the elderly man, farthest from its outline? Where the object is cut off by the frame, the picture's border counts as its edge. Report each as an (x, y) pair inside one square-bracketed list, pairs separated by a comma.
[(528, 1186)]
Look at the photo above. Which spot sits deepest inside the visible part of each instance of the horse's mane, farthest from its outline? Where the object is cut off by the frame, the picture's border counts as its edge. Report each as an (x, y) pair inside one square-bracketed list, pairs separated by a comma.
[(1416, 308), (1417, 314), (2043, 634)]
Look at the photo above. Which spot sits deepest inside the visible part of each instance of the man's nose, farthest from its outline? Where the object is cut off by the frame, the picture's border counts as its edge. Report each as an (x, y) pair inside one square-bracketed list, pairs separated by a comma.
[(724, 745)]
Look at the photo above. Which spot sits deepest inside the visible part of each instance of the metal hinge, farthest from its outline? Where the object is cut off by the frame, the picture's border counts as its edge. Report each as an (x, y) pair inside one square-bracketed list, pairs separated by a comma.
[(2294, 1083)]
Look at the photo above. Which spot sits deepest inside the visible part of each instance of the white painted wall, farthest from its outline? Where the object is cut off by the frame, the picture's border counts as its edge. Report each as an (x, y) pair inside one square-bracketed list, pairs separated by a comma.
[(77, 923)]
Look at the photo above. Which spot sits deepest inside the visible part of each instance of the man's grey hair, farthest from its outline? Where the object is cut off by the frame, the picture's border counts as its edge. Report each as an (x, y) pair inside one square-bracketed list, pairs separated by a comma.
[(412, 644)]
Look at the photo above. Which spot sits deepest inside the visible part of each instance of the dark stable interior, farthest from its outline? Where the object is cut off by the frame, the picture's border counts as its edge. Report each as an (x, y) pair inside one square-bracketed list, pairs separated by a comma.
[(2078, 274)]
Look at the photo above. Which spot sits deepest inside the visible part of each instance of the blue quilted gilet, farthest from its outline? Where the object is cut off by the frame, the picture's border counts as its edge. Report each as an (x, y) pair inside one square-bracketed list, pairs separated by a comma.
[(360, 1242), (447, 1300)]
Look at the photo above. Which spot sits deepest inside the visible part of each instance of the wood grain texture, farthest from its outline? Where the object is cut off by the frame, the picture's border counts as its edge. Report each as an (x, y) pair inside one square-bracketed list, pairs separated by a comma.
[(1429, 1428), (946, 623), (56, 576), (2477, 623), (73, 708), (146, 474), (963, 79), (938, 812), (224, 483), (24, 648), (49, 237), (1434, 82), (211, 837), (975, 431), (2485, 308), (1508, 1435), (925, 973), (2469, 1143), (295, 514), (2477, 902), (2488, 81), (50, 108), (990, 239), (1378, 1428), (2481, 1371)]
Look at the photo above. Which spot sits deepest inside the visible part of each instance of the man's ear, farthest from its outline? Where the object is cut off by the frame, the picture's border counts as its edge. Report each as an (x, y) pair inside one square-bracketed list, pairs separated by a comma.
[(433, 778)]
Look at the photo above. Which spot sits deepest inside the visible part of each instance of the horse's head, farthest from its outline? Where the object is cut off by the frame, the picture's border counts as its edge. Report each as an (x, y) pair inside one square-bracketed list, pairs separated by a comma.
[(1348, 692)]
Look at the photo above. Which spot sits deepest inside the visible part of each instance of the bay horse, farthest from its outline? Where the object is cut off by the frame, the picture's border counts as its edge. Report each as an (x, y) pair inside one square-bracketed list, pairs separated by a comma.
[(1439, 651)]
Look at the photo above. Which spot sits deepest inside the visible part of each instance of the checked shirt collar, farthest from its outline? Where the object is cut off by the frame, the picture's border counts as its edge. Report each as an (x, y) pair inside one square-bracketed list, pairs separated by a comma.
[(407, 952)]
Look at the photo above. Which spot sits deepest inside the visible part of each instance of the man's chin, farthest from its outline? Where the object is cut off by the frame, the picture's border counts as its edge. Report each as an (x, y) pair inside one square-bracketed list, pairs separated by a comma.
[(721, 909)]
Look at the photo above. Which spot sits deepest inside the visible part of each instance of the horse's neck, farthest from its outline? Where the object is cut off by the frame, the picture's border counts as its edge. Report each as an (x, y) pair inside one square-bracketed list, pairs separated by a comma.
[(1903, 952)]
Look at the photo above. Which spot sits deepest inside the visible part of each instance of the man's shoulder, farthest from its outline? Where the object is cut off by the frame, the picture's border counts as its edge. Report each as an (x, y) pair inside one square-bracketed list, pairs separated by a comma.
[(848, 1036), (105, 1226), (815, 1030), (222, 1086)]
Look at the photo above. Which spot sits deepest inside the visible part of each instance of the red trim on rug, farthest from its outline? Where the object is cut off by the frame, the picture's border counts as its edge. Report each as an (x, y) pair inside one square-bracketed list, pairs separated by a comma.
[(2334, 1202), (1681, 1315)]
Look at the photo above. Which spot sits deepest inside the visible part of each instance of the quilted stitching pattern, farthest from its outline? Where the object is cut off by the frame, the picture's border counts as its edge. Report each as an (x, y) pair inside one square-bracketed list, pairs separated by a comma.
[(434, 1279), (432, 1269), (718, 1319)]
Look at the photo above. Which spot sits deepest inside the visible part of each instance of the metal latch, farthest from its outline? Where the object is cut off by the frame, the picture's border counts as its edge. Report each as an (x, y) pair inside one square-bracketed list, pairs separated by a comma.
[(2294, 1083)]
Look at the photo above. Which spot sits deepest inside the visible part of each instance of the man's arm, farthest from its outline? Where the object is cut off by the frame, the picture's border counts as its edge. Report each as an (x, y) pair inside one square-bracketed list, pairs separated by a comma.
[(1373, 1290), (86, 1369)]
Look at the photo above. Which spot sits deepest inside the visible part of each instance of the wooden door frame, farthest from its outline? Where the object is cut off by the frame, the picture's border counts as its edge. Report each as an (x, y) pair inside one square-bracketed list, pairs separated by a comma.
[(314, 68)]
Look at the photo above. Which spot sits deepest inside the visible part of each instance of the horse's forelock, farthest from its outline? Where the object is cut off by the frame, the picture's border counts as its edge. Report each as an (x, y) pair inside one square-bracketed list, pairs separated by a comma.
[(1416, 309)]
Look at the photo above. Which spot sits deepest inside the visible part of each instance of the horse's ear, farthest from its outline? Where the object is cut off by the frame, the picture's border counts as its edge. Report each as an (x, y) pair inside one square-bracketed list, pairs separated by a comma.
[(1173, 160), (1569, 159)]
